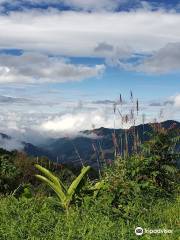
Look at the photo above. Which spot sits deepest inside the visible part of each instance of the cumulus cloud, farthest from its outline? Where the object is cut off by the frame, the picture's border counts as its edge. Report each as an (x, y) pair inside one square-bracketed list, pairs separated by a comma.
[(162, 61), (177, 101), (38, 68), (76, 122), (172, 102), (168, 108), (165, 60)]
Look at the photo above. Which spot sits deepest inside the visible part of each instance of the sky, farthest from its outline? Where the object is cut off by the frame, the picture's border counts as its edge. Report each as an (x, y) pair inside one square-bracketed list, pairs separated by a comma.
[(65, 63)]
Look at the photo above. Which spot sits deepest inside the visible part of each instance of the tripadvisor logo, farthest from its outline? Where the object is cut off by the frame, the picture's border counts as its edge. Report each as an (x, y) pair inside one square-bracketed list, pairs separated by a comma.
[(139, 231)]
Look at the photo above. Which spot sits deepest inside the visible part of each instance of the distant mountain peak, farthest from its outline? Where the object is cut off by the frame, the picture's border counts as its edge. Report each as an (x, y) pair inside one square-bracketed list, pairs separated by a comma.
[(4, 136)]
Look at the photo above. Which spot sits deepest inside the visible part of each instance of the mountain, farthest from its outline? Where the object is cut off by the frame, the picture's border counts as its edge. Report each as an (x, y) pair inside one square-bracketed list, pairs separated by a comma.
[(91, 146), (4, 136), (36, 151), (11, 143), (92, 150)]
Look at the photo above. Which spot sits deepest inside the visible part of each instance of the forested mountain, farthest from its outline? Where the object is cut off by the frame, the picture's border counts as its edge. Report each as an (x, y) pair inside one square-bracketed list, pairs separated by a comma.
[(94, 146)]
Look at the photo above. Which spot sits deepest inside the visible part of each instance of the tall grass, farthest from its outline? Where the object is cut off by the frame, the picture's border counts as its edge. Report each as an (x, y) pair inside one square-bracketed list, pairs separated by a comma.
[(39, 219)]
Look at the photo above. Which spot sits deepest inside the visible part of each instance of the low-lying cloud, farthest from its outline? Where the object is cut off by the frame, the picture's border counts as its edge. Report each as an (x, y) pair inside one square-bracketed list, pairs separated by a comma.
[(76, 122), (10, 144), (36, 126)]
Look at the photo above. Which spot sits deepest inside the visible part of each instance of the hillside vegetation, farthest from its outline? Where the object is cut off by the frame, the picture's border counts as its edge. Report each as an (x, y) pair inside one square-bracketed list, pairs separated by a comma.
[(46, 200)]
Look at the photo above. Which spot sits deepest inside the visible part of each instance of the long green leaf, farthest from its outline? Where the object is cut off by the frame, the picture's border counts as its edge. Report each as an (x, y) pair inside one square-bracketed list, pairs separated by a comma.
[(47, 173), (54, 186), (50, 176), (75, 183), (54, 183)]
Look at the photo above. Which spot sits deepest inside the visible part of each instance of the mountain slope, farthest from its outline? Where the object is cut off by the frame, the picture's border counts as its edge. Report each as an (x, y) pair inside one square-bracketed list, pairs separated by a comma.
[(89, 150), (90, 146), (10, 143)]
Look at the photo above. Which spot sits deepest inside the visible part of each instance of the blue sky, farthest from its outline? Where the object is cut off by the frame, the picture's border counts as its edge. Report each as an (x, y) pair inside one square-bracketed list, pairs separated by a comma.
[(117, 5), (64, 63)]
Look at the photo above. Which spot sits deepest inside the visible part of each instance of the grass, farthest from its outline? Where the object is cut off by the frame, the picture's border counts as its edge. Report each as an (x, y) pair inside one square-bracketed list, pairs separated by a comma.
[(38, 218)]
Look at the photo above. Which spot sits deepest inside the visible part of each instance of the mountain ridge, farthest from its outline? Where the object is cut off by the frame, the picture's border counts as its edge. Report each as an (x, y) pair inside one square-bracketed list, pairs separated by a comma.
[(89, 150)]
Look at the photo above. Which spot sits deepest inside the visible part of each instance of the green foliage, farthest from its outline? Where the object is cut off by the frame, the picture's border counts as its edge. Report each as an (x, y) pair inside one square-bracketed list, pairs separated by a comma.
[(65, 195), (151, 174), (23, 190), (97, 187), (15, 169), (8, 173), (160, 157), (137, 190), (40, 219)]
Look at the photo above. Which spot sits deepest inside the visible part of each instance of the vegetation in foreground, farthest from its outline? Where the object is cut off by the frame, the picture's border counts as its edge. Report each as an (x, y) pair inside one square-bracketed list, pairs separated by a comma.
[(137, 190), (41, 218)]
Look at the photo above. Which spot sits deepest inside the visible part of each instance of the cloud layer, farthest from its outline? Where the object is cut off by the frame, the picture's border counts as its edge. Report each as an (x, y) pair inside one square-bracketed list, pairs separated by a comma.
[(116, 36), (37, 125), (78, 33), (39, 68)]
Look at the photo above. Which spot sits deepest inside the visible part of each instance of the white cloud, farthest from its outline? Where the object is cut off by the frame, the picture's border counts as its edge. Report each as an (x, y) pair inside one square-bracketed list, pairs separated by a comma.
[(116, 36), (103, 116), (36, 124), (10, 144), (177, 101), (79, 33), (76, 122), (165, 60), (38, 68)]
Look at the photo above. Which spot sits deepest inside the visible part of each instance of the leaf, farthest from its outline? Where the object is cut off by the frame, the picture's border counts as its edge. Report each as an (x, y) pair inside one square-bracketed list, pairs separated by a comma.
[(48, 174), (155, 173), (75, 183), (55, 187), (170, 169)]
